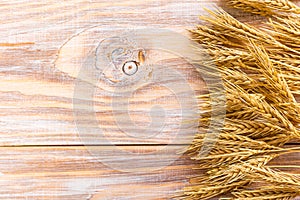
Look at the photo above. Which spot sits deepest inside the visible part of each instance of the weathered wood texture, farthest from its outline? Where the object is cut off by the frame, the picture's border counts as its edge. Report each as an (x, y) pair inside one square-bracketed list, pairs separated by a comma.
[(42, 46), (72, 173)]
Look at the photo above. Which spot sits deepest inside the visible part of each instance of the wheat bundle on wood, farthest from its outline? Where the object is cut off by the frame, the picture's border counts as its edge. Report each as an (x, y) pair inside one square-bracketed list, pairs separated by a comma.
[(260, 68)]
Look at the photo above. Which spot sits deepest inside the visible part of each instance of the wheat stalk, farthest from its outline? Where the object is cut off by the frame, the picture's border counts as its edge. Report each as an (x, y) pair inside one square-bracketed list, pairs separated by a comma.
[(267, 193), (265, 7), (261, 74)]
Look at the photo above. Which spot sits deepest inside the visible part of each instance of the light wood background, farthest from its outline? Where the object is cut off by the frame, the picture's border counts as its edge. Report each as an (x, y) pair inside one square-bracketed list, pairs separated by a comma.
[(41, 46)]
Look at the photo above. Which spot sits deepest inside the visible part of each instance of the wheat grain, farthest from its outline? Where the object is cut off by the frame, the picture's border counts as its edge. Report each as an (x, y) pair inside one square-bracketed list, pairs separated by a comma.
[(260, 70), (274, 192), (265, 7)]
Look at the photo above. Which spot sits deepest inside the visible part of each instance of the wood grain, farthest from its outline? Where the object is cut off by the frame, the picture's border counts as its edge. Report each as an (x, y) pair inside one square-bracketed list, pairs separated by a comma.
[(72, 173), (42, 47)]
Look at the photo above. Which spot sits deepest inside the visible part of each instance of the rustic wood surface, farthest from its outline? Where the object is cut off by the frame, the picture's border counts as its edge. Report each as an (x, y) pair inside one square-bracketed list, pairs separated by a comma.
[(42, 45)]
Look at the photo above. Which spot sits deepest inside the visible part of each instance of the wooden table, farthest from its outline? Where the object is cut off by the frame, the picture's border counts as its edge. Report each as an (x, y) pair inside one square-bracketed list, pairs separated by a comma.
[(42, 47)]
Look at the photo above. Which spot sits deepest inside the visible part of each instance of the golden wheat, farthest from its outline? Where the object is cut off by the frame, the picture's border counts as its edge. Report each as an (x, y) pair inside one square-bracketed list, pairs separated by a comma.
[(265, 7), (261, 75), (267, 193)]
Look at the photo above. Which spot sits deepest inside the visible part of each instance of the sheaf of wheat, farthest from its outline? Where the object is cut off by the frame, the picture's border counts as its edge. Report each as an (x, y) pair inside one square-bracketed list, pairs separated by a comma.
[(260, 68)]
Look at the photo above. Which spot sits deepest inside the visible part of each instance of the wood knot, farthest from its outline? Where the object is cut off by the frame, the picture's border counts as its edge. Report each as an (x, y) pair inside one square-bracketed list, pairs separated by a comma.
[(131, 67)]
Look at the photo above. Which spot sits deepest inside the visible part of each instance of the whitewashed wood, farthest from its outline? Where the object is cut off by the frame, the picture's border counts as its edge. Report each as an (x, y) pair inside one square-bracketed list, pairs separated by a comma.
[(72, 173), (36, 100), (36, 79)]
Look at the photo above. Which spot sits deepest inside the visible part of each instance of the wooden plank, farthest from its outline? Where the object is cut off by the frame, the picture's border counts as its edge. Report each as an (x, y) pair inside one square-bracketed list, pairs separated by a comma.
[(72, 173), (42, 46), (41, 51)]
